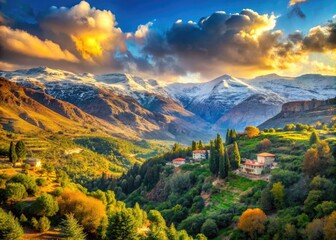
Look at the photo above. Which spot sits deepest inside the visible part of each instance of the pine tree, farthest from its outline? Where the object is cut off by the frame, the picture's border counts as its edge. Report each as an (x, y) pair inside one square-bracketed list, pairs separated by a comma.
[(20, 149), (200, 144), (314, 138), (122, 226), (194, 145), (10, 228), (235, 156), (172, 233), (12, 153), (71, 229)]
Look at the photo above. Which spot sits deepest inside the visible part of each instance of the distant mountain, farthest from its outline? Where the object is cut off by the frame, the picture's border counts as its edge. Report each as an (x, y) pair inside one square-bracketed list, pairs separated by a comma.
[(25, 110), (306, 112), (252, 111), (211, 100), (120, 99), (176, 111)]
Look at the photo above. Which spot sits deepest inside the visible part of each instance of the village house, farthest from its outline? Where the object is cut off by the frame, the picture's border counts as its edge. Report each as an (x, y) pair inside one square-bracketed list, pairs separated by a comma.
[(257, 167), (34, 162), (178, 162), (199, 155)]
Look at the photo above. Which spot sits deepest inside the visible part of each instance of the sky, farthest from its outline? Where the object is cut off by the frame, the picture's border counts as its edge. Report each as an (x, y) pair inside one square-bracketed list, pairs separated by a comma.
[(185, 40)]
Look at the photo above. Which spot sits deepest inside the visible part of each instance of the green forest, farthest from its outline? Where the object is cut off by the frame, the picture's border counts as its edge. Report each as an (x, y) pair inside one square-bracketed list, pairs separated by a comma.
[(95, 187)]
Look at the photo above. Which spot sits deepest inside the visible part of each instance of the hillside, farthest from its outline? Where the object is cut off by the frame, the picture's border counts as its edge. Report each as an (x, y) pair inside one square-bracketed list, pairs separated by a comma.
[(25, 110), (306, 112)]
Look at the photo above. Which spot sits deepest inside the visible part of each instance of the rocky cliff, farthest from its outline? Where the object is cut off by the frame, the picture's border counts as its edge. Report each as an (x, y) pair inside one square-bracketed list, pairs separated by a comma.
[(306, 112)]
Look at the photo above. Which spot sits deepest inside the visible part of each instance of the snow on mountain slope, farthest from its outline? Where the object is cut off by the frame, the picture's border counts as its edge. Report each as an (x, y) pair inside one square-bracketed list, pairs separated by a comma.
[(212, 99), (305, 87), (200, 103)]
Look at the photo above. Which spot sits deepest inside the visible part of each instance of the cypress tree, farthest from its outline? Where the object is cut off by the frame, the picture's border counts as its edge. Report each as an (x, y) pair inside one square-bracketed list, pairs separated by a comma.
[(212, 164), (314, 138), (227, 159), (194, 145), (227, 138), (218, 143), (71, 229), (233, 136), (235, 156), (12, 153), (200, 144), (20, 149), (222, 166)]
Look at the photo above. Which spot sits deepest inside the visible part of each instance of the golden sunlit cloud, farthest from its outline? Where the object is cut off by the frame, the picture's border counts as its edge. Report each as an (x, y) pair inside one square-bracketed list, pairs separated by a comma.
[(293, 2), (93, 31), (142, 32), (26, 44)]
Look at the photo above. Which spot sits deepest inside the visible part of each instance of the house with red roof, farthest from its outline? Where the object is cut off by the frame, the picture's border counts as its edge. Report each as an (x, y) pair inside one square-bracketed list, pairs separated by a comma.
[(199, 155), (257, 167), (178, 162)]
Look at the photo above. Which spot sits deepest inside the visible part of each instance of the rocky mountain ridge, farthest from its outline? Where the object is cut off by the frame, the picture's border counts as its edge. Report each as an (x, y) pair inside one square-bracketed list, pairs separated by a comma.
[(170, 111)]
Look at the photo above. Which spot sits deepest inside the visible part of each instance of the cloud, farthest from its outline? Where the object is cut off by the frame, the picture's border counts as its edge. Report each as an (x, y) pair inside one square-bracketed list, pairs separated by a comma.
[(239, 44), (215, 43), (142, 31), (321, 38), (93, 31), (294, 2), (23, 43)]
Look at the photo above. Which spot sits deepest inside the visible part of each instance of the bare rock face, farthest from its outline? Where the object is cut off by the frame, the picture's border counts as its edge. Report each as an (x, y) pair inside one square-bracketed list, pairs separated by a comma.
[(306, 112), (299, 106)]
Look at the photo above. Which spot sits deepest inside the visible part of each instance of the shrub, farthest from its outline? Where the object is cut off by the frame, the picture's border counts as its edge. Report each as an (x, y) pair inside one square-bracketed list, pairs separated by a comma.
[(43, 224), (28, 182), (209, 228), (45, 205), (41, 182), (15, 192)]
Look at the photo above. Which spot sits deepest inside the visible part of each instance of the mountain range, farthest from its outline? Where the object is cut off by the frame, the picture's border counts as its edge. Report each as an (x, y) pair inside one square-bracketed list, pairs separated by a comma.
[(150, 108)]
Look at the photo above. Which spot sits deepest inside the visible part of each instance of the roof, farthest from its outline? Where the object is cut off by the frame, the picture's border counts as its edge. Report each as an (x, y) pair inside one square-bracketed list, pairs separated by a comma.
[(254, 163), (265, 154), (199, 151), (178, 159)]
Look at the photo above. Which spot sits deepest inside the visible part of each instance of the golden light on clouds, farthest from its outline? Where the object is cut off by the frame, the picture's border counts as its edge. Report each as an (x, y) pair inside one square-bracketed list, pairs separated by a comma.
[(88, 47), (293, 2), (26, 44), (93, 31)]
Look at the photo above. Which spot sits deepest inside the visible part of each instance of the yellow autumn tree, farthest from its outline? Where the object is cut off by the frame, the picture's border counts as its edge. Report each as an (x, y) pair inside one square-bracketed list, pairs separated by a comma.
[(330, 226), (252, 131), (252, 222), (88, 211)]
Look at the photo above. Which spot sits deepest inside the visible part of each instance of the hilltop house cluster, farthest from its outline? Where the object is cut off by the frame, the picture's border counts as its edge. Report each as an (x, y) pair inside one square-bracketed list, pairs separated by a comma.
[(197, 156), (264, 162)]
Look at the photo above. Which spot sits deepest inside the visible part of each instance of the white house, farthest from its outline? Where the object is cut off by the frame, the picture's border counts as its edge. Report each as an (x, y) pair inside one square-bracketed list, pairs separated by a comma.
[(34, 162), (256, 167), (200, 155), (267, 158), (178, 162)]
